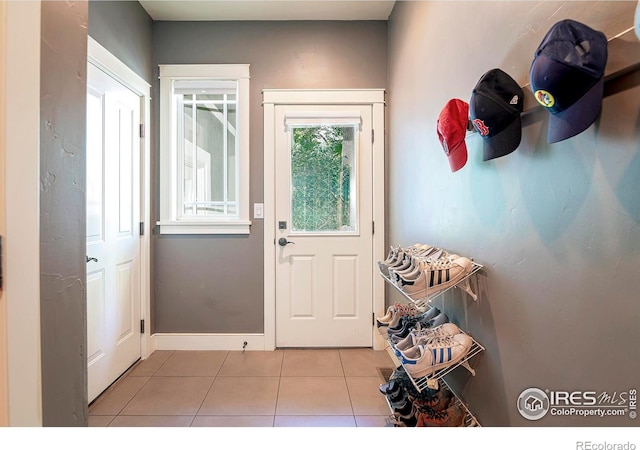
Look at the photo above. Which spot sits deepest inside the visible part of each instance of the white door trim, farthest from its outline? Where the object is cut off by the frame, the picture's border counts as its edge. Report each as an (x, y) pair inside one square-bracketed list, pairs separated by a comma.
[(21, 247), (103, 59), (273, 97)]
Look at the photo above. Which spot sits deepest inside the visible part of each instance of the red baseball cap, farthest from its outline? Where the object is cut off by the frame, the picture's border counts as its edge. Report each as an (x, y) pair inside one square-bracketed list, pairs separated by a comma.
[(452, 129)]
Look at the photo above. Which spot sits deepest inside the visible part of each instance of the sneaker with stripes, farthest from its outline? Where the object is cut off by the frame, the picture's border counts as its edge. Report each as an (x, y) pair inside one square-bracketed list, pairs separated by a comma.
[(423, 336), (415, 264), (438, 320), (442, 352), (399, 256), (438, 276)]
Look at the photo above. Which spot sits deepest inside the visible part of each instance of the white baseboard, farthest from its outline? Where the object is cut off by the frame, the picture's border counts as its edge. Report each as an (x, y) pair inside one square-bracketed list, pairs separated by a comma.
[(207, 341), (215, 341)]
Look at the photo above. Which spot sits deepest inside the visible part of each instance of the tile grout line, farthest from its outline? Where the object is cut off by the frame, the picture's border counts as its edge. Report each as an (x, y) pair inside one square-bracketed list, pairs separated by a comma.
[(209, 389), (120, 380), (275, 409), (344, 376), (143, 385)]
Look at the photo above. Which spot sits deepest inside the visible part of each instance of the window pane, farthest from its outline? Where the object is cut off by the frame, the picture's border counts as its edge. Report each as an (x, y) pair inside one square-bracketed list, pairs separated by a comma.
[(231, 152), (187, 172), (323, 178), (209, 154), (210, 97), (210, 135)]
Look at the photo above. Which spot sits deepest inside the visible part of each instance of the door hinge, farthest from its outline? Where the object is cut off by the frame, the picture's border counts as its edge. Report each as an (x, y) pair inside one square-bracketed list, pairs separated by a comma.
[(373, 318), (372, 136), (141, 228), (373, 227), (141, 326), (141, 130)]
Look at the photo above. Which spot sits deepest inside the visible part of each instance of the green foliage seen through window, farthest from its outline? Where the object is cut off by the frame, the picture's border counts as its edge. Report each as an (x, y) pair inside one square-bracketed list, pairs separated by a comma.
[(321, 166)]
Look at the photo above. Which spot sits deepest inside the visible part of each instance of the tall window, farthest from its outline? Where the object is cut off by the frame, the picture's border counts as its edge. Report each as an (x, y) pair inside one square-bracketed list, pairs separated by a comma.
[(204, 149)]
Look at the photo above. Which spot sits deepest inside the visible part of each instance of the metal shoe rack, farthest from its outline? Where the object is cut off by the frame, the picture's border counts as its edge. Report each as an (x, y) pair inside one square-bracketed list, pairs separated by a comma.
[(462, 284), (469, 419), (433, 380)]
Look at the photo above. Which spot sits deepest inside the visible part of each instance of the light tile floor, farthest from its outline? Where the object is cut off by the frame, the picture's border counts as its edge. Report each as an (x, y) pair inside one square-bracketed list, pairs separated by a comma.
[(282, 388)]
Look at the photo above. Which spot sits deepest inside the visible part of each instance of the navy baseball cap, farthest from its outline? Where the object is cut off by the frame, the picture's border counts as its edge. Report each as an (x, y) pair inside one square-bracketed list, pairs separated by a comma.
[(567, 77), (495, 107)]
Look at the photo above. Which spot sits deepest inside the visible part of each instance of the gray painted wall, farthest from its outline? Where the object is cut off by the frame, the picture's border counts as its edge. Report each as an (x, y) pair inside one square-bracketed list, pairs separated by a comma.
[(125, 29), (215, 283), (557, 227), (62, 213)]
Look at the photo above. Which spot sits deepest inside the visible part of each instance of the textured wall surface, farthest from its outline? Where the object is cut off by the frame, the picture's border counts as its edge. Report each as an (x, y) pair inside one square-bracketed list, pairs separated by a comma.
[(214, 284), (125, 29), (62, 213), (557, 227)]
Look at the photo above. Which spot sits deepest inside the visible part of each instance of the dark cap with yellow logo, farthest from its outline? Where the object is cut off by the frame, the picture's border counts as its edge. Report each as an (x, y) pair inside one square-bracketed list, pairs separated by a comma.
[(567, 77)]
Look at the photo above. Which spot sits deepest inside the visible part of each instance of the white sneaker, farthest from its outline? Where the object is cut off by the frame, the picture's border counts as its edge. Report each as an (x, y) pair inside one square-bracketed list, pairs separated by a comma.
[(398, 275), (402, 260), (393, 315), (440, 353), (438, 276), (423, 336), (391, 259), (437, 259)]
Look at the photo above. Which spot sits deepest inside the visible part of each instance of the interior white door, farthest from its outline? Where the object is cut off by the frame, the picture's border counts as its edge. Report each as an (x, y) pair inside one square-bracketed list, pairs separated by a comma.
[(324, 242), (113, 215)]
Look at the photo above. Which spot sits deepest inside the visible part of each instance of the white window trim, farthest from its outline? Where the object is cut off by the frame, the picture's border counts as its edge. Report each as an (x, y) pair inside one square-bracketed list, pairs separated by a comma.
[(169, 222)]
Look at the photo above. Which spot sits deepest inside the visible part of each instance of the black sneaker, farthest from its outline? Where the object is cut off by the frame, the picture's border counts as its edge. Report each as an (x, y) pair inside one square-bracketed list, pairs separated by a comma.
[(398, 373), (390, 388), (411, 321), (406, 422), (406, 410), (398, 399)]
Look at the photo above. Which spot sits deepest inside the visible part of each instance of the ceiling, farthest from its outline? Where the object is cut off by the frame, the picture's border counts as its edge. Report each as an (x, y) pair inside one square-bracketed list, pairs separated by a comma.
[(216, 10)]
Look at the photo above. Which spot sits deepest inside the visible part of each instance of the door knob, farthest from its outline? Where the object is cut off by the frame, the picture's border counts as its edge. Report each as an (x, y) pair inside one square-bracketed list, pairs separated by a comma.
[(92, 259), (283, 241)]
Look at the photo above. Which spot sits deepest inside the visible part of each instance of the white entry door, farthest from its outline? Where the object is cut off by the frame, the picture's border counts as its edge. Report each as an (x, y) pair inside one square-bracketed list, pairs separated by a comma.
[(324, 236), (113, 216)]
